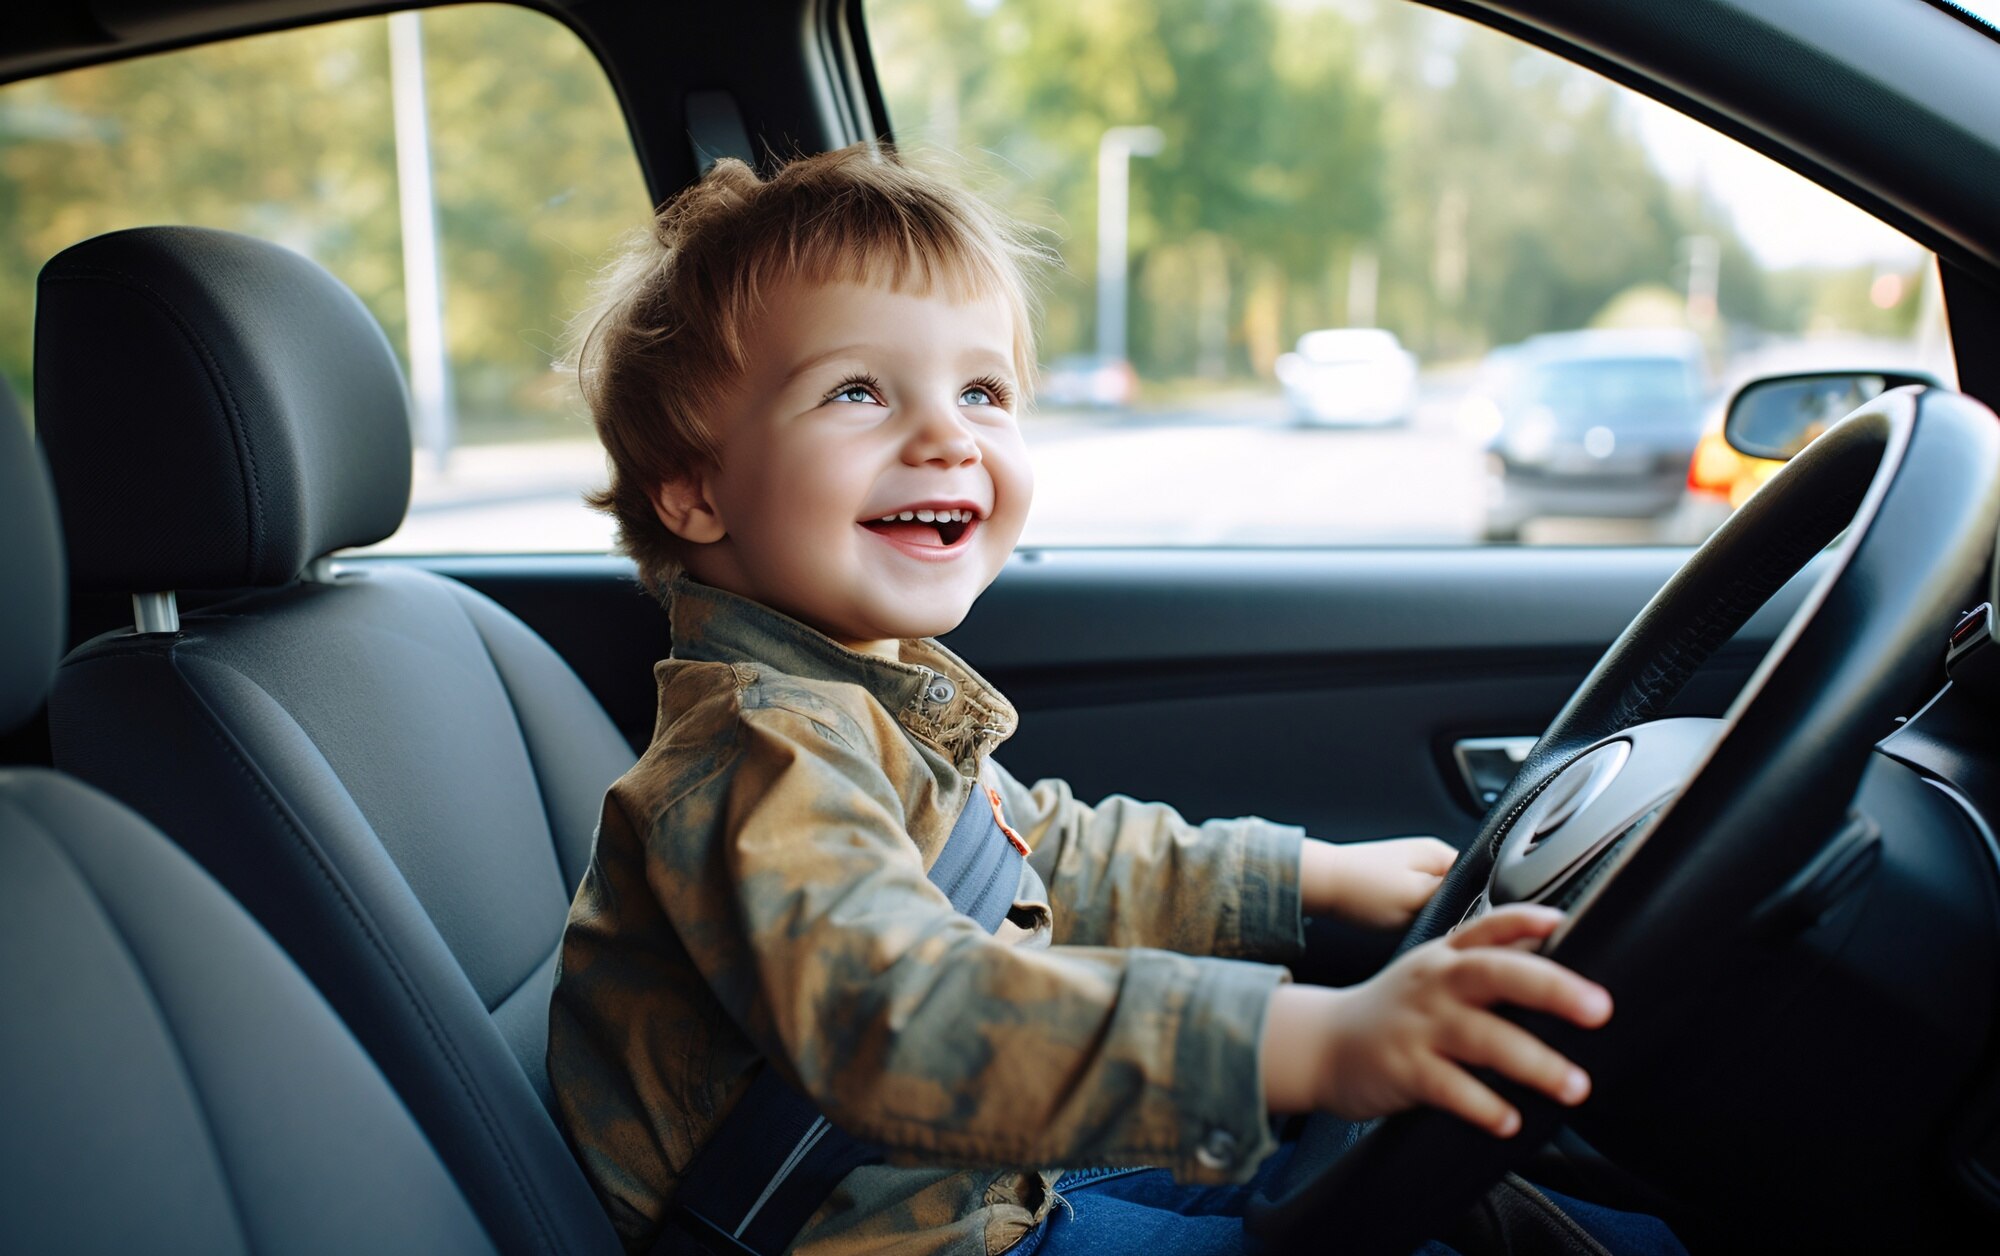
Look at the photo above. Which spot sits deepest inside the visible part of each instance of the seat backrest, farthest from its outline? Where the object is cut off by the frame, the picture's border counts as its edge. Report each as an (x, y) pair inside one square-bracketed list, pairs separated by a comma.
[(170, 1081), (393, 774)]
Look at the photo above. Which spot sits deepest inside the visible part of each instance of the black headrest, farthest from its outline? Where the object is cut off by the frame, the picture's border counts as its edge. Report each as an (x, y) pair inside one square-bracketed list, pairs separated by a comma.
[(217, 411), (31, 579)]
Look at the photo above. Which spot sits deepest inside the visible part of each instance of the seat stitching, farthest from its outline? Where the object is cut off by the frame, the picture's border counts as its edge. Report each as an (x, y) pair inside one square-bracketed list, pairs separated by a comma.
[(445, 1047), (152, 997), (218, 379)]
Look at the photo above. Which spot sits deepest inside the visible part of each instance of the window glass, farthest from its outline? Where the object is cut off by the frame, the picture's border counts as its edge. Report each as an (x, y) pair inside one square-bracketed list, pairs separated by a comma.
[(1353, 271), (1985, 11), (294, 137)]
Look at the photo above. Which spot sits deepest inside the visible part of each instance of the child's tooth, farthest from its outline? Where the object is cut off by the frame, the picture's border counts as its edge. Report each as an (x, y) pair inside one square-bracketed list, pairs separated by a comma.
[(927, 516), (907, 515), (888, 518)]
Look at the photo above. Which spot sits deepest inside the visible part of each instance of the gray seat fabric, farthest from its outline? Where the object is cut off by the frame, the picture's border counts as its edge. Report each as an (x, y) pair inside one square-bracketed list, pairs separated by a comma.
[(393, 774), (30, 573), (170, 1081)]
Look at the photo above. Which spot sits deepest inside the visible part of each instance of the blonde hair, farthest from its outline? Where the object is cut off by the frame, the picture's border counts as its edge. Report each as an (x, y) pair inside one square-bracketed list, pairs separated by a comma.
[(667, 332)]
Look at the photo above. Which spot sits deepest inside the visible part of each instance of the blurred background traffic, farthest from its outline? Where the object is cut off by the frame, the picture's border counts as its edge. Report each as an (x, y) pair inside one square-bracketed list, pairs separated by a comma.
[(1330, 271)]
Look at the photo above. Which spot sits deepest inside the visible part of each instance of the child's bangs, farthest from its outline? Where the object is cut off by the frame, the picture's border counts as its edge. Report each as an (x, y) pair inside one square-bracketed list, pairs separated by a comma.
[(918, 259)]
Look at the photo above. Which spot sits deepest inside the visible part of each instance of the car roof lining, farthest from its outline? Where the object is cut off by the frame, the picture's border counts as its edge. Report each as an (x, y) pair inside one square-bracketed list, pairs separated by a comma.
[(1730, 64)]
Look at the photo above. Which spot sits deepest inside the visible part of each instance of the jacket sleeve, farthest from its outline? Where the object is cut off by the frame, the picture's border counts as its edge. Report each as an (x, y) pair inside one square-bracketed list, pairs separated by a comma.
[(813, 922), (1126, 873)]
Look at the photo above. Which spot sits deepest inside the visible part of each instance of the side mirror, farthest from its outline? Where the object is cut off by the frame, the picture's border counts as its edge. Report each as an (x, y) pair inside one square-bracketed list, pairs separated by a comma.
[(1778, 415)]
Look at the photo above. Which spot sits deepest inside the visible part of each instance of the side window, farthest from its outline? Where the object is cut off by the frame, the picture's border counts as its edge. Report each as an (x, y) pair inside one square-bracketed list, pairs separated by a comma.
[(1356, 272), (464, 170)]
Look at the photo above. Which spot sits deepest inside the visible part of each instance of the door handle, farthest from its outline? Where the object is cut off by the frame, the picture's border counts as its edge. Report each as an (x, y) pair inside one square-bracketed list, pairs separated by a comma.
[(1488, 763)]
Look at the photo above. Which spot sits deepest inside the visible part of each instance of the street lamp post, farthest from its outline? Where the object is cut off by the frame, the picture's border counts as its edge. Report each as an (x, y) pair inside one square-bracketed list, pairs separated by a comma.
[(1114, 153)]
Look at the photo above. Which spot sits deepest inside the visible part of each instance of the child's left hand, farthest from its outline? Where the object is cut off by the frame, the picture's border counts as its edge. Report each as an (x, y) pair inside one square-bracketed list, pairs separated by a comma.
[(1380, 885)]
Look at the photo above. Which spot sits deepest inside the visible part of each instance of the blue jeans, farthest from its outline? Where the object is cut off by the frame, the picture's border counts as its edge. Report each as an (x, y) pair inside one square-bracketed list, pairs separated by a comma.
[(1103, 1211)]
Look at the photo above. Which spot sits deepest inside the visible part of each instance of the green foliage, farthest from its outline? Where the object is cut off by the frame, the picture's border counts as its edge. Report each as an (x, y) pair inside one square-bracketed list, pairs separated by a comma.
[(1272, 148), (1493, 190), (290, 137)]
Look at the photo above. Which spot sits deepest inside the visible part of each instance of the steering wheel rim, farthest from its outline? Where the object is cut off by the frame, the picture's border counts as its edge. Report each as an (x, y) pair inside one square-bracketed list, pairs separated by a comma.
[(1913, 478)]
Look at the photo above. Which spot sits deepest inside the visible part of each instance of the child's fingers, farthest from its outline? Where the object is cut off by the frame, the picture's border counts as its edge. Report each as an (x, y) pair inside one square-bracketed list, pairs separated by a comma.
[(1504, 926), (1496, 975), (1443, 1084), (1482, 1040), (1431, 855)]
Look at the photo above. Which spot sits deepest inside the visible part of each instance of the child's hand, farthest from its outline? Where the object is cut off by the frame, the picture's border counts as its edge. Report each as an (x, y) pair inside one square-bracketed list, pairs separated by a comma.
[(1381, 885), (1408, 1035)]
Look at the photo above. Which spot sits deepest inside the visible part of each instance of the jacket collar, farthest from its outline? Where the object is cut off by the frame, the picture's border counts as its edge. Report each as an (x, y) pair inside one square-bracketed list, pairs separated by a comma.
[(931, 691)]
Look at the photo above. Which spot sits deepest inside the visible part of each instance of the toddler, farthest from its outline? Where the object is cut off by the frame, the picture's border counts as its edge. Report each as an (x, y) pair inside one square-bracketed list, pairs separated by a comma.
[(783, 1016)]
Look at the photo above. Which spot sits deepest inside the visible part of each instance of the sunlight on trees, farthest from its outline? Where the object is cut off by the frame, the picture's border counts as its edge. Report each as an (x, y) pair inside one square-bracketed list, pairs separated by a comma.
[(289, 137), (1328, 163)]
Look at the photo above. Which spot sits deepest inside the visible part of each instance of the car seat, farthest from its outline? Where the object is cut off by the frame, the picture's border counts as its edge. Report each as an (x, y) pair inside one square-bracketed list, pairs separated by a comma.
[(395, 776), (171, 1082)]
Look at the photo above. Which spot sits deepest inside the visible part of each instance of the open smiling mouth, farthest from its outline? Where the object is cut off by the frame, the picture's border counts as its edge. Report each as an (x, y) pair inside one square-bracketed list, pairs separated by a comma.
[(933, 529)]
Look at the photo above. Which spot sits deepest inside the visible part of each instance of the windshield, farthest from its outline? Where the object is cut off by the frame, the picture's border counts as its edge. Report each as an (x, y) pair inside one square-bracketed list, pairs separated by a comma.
[(1984, 12)]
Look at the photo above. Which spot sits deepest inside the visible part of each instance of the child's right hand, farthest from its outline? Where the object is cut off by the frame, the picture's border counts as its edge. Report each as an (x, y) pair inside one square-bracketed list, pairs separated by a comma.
[(1409, 1034)]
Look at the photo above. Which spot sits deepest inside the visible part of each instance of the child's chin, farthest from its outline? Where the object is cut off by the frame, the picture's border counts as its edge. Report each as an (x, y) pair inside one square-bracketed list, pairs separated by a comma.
[(927, 621)]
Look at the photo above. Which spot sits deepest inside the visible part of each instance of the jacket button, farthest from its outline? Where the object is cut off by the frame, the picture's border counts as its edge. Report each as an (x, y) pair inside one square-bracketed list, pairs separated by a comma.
[(1217, 1151), (969, 766), (941, 690)]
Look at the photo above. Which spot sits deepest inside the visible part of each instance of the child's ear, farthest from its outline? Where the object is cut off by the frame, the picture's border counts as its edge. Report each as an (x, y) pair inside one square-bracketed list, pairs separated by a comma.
[(684, 506)]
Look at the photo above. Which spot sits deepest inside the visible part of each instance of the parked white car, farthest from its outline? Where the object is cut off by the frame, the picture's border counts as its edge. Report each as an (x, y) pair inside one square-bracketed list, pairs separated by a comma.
[(1349, 375)]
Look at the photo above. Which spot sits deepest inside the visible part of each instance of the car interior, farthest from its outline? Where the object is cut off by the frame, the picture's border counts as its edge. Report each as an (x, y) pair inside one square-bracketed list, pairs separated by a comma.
[(288, 835)]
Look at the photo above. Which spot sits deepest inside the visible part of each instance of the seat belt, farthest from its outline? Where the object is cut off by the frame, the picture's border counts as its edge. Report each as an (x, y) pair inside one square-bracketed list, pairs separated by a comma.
[(774, 1159)]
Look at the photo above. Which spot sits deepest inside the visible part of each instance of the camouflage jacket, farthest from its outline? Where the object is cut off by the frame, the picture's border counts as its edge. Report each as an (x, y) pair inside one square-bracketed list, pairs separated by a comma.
[(758, 895)]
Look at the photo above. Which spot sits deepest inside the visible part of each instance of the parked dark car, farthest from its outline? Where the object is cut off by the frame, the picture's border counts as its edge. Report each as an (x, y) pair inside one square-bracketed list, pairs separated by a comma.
[(1597, 424)]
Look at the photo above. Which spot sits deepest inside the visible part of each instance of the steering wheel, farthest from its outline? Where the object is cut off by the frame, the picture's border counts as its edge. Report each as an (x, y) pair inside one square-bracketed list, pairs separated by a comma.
[(1669, 841)]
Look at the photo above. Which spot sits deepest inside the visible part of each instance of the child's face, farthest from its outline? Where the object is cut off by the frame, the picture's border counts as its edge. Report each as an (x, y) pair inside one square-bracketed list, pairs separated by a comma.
[(863, 403)]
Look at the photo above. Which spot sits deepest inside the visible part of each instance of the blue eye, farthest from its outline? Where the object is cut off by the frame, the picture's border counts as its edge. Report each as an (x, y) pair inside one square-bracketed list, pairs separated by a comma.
[(986, 392), (859, 390)]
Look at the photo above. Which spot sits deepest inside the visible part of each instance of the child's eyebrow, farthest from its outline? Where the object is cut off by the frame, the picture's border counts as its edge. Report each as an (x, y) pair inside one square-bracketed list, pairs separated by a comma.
[(818, 360)]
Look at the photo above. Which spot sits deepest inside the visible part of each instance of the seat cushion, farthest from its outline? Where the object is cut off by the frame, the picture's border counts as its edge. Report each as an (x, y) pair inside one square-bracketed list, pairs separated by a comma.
[(171, 1082)]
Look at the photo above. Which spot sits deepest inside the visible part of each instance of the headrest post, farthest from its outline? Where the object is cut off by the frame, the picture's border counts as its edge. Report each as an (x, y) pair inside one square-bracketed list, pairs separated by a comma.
[(320, 570), (155, 612)]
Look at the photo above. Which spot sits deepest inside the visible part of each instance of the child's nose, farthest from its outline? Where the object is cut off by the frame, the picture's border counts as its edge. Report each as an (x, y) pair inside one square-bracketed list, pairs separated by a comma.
[(941, 438)]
